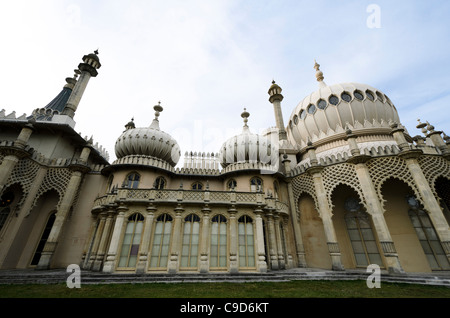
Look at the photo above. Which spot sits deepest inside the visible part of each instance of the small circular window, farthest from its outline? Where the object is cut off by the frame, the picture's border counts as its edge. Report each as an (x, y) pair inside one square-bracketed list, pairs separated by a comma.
[(380, 97), (346, 96), (370, 96), (311, 109), (333, 100), (302, 114), (358, 95), (295, 119), (322, 104)]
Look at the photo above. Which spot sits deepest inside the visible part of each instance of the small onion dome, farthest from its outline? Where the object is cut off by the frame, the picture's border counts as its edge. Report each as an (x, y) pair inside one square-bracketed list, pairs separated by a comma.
[(323, 116), (148, 141), (246, 147)]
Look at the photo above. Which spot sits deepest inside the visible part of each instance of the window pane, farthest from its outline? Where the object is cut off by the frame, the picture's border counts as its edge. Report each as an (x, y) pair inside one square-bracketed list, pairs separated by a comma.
[(361, 260), (357, 247)]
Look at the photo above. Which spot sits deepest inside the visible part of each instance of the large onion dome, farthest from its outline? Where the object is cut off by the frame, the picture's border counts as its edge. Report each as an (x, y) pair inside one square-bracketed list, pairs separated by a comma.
[(246, 147), (148, 141), (325, 115)]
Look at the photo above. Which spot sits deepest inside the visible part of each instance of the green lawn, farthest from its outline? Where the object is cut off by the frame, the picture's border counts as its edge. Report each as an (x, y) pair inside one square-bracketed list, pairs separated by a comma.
[(294, 289)]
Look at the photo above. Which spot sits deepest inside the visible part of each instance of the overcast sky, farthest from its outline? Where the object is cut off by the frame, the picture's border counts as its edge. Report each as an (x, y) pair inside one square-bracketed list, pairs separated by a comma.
[(206, 60)]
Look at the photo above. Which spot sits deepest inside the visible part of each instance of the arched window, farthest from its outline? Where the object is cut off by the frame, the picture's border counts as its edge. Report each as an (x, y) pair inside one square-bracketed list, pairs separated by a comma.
[(5, 207), (160, 183), (256, 184), (191, 233), (362, 238), (276, 188), (43, 240), (197, 186), (231, 184), (109, 184), (161, 241), (132, 180), (427, 236), (218, 247), (246, 242), (131, 241)]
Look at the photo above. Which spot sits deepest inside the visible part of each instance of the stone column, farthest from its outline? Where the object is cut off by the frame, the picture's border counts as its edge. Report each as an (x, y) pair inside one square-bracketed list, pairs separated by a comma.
[(97, 239), (115, 240), (272, 242), (100, 257), (234, 268), (430, 203), (142, 265), (79, 169), (204, 241), (281, 260), (22, 213), (262, 265), (374, 207), (177, 236), (326, 215), (14, 153), (300, 251)]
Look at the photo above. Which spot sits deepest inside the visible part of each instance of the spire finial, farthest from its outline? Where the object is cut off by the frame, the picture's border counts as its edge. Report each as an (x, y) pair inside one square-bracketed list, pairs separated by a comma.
[(319, 74), (158, 109), (245, 114)]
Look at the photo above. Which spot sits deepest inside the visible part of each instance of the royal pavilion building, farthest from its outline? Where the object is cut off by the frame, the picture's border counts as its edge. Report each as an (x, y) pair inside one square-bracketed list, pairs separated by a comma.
[(342, 185)]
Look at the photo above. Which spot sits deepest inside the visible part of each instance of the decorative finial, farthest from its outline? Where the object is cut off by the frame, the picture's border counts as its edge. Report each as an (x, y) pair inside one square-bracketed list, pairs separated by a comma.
[(158, 108), (420, 125), (96, 52), (319, 74), (245, 114)]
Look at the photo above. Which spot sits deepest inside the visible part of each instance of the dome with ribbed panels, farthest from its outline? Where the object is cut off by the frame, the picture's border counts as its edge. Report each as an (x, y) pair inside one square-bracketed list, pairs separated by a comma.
[(148, 141), (246, 147), (325, 114)]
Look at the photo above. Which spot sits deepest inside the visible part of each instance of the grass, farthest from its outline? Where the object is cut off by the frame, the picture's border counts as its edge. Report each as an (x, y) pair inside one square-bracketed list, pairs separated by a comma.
[(294, 289)]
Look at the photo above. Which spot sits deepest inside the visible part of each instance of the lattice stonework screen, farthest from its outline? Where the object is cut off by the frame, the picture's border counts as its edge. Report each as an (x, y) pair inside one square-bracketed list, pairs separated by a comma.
[(24, 173), (343, 173), (303, 184), (55, 179), (434, 167), (381, 169)]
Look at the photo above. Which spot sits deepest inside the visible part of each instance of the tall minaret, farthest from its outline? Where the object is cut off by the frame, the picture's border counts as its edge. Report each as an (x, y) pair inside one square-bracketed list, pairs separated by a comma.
[(276, 98), (88, 69)]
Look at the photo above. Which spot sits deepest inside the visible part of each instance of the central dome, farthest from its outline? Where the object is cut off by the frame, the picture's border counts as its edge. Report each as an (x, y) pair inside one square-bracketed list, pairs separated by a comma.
[(324, 115), (148, 141), (246, 147)]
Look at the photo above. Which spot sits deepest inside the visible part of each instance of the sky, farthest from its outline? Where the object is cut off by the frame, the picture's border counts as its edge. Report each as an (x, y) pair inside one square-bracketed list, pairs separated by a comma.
[(207, 60)]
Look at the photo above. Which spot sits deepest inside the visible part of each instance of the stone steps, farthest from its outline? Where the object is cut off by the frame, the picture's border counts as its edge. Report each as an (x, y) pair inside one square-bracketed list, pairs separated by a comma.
[(87, 277)]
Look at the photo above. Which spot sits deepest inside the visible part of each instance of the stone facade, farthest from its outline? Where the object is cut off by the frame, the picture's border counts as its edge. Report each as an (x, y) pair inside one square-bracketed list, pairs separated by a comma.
[(324, 192)]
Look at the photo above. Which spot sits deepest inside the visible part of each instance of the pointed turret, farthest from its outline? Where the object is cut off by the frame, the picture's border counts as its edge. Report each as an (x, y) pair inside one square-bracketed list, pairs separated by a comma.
[(87, 69)]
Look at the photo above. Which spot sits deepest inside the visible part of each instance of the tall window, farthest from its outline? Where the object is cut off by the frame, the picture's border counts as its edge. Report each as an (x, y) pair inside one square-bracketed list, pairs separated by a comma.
[(189, 251), (131, 241), (160, 183), (246, 242), (161, 241), (218, 257), (197, 186), (427, 236), (5, 207), (256, 184), (132, 180), (359, 228), (43, 240)]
